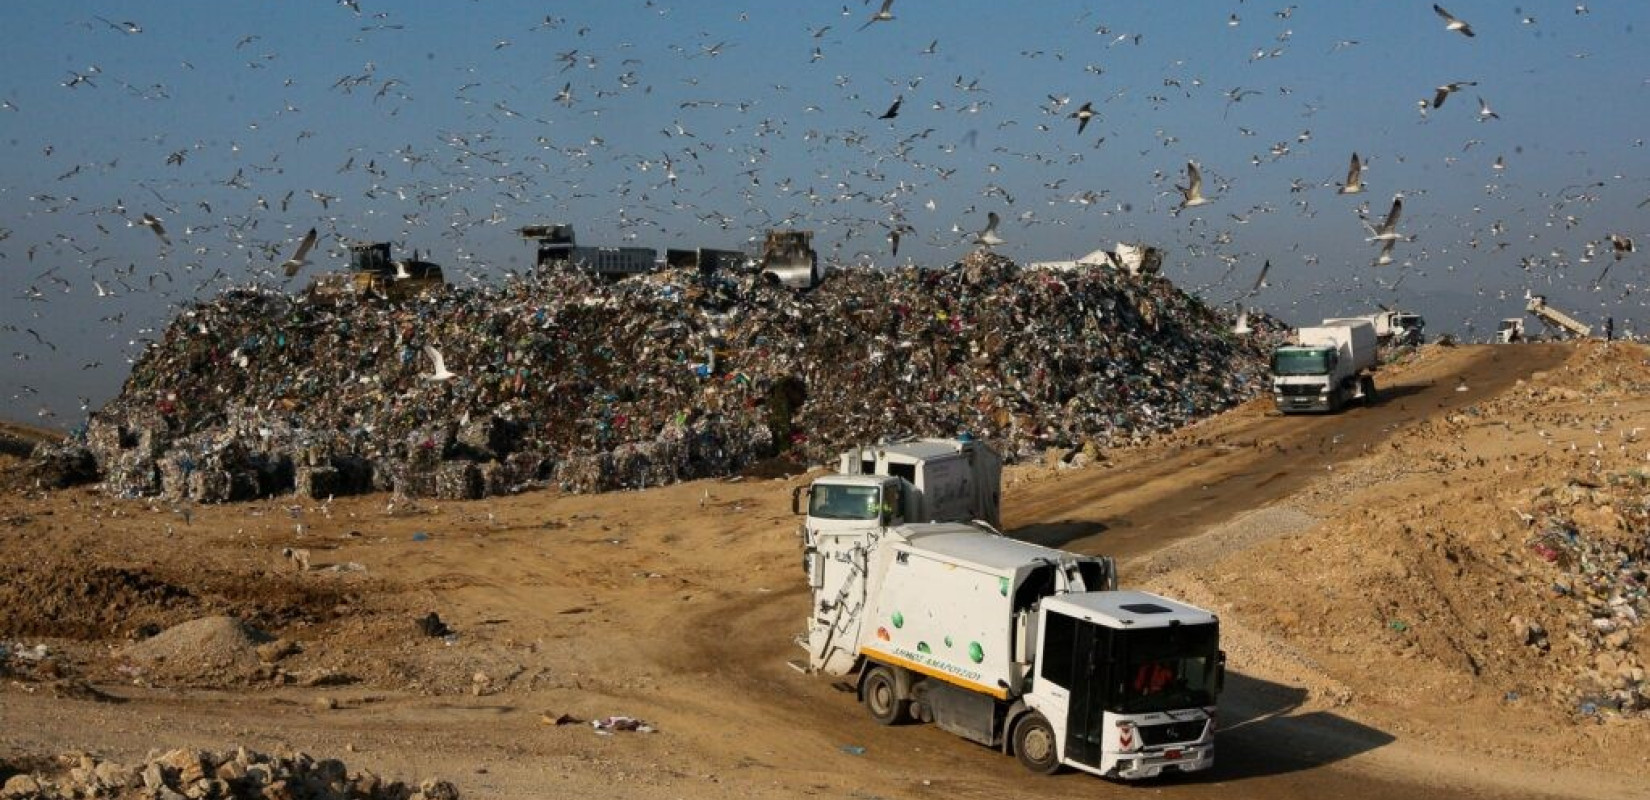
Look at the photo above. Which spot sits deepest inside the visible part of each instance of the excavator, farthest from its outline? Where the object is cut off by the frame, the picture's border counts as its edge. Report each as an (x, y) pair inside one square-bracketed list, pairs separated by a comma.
[(789, 257)]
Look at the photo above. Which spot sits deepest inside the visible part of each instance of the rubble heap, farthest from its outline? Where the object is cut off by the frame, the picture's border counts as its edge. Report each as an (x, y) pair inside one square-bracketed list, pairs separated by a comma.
[(239, 775), (671, 376)]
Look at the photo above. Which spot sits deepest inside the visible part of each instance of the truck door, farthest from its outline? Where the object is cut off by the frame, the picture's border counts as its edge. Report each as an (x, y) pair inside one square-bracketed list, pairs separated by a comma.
[(1072, 660)]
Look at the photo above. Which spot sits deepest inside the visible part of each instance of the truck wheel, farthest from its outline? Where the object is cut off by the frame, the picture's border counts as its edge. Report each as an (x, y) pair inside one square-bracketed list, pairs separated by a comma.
[(1368, 387), (881, 694), (1035, 746)]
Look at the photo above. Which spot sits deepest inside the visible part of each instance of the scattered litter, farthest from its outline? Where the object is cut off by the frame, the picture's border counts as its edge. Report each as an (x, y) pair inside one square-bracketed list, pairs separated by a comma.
[(607, 725), (1593, 543), (853, 749), (431, 625)]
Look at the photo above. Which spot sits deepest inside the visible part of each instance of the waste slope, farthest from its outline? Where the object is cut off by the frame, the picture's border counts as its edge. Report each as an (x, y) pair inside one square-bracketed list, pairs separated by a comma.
[(563, 380)]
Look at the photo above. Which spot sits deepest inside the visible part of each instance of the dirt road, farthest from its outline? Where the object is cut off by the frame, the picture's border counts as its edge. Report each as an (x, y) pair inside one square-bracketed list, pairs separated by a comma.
[(1251, 458), (678, 605)]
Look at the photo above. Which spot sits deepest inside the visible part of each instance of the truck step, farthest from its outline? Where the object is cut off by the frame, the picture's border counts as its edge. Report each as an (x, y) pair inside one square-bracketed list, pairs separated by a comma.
[(799, 667)]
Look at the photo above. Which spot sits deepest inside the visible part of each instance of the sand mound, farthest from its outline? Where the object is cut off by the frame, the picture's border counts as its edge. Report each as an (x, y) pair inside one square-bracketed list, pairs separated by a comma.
[(60, 596), (209, 648)]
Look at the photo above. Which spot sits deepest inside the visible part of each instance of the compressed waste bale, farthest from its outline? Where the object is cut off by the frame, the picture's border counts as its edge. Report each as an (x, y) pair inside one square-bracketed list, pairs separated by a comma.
[(317, 483), (458, 480)]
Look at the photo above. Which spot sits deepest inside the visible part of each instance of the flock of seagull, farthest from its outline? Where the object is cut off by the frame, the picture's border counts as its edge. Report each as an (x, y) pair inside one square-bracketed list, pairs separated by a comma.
[(712, 148)]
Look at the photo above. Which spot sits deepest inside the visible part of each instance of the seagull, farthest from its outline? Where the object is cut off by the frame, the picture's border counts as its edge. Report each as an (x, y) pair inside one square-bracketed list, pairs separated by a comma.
[(1193, 190), (1388, 232), (1484, 112), (893, 110), (989, 237), (884, 14), (1083, 115), (123, 27), (401, 272), (300, 257), (1444, 91), (1451, 23), (894, 235), (1354, 177), (1260, 280), (440, 363), (1620, 245), (1242, 326), (1385, 256), (152, 223)]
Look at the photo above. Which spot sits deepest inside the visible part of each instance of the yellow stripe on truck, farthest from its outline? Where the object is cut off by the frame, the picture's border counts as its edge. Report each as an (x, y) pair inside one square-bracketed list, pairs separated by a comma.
[(1000, 694)]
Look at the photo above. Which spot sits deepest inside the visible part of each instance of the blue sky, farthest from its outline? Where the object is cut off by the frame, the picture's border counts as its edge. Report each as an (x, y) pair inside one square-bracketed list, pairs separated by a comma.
[(702, 124)]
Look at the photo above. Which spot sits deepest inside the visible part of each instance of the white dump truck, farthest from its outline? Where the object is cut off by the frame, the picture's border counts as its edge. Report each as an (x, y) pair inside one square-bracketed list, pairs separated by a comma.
[(1398, 328), (954, 480), (1018, 647), (1328, 366), (919, 480), (1510, 330)]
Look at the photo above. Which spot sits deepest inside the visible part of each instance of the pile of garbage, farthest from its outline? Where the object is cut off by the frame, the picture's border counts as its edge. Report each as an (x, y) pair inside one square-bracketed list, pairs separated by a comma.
[(561, 379), (240, 774), (1594, 538)]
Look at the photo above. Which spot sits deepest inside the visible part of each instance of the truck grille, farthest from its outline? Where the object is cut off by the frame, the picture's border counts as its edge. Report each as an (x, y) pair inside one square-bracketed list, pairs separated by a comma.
[(1172, 732), (1299, 390)]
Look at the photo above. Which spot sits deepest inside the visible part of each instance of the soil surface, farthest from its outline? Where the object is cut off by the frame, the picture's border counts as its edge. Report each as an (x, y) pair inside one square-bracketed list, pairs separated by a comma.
[(1385, 579)]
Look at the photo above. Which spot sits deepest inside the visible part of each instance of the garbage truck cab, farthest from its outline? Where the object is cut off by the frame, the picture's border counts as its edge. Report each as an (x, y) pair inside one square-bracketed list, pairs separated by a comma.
[(1127, 682), (1328, 366)]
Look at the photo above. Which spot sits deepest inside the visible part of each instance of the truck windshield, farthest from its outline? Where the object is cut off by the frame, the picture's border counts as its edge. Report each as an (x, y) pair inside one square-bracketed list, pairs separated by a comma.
[(843, 502), (1164, 669), (1294, 361)]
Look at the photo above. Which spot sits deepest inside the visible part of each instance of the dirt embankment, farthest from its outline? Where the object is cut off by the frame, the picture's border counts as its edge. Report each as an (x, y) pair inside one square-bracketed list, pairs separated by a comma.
[(1477, 581)]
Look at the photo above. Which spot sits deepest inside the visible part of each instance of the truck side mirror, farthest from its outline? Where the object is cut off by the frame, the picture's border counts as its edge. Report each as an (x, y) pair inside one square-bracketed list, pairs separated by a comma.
[(796, 499), (1220, 672)]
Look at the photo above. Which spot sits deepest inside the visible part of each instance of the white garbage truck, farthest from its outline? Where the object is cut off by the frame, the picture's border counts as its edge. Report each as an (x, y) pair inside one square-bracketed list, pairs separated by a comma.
[(1328, 366), (1018, 647)]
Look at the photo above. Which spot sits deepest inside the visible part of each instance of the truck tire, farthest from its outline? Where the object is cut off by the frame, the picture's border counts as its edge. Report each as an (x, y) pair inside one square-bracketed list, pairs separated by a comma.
[(1367, 385), (1035, 745), (880, 691)]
